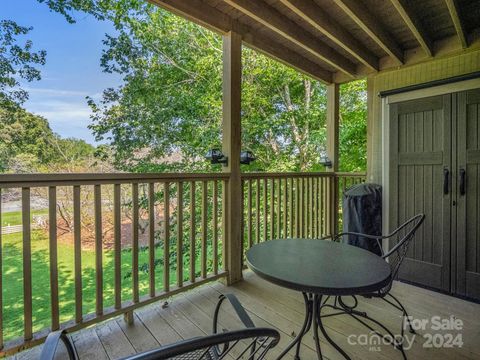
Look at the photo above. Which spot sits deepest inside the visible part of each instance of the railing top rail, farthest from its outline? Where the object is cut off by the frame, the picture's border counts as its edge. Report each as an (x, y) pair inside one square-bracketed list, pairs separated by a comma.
[(350, 174), (262, 175), (42, 180)]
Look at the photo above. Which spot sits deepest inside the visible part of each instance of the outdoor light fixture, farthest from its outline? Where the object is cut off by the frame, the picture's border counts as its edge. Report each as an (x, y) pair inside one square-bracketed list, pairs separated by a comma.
[(325, 161), (246, 157), (215, 156)]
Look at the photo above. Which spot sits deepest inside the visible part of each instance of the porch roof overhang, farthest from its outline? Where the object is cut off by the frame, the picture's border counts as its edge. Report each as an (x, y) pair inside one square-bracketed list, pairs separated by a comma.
[(337, 41)]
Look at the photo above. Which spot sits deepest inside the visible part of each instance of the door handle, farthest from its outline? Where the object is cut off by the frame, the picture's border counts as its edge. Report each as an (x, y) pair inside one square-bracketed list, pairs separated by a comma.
[(446, 178), (463, 175)]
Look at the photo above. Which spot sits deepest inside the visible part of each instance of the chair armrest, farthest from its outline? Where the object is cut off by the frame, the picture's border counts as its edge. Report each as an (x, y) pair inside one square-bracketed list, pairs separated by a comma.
[(237, 307), (213, 341), (51, 344)]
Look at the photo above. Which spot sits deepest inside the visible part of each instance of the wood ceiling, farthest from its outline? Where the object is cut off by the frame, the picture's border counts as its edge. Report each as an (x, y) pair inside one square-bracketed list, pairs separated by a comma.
[(339, 40)]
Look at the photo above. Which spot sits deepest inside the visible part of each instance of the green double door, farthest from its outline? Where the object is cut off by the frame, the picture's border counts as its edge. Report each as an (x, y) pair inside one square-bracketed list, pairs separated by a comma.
[(434, 168)]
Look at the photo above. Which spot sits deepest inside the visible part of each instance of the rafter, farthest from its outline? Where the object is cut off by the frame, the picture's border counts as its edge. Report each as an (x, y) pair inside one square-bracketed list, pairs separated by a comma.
[(366, 21), (273, 20), (200, 13), (288, 57), (321, 21), (457, 22), (415, 26)]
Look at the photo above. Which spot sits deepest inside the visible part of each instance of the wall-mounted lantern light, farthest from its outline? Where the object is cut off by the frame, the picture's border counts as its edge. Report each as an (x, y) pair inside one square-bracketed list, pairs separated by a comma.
[(215, 156), (324, 160), (246, 157)]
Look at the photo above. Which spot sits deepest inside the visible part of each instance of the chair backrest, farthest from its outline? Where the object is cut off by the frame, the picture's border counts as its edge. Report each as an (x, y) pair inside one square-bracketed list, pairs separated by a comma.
[(404, 235), (249, 344)]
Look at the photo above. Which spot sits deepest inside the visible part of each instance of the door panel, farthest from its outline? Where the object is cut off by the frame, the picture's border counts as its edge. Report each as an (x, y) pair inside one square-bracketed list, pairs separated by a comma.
[(420, 150), (468, 210)]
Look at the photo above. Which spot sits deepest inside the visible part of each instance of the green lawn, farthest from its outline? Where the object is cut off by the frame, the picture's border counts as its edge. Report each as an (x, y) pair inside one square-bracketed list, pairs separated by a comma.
[(13, 280), (15, 217)]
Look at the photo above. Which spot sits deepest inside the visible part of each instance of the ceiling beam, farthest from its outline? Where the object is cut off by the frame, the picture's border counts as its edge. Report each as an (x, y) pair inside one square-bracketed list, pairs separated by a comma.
[(275, 21), (288, 57), (202, 14), (457, 22), (415, 26), (321, 21), (367, 22)]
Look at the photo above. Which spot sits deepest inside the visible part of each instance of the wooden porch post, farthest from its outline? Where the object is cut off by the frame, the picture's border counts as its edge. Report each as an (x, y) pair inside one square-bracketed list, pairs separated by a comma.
[(333, 117), (232, 84)]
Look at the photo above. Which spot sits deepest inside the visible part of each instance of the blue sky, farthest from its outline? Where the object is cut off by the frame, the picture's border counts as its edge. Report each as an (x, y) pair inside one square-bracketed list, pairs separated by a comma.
[(72, 70)]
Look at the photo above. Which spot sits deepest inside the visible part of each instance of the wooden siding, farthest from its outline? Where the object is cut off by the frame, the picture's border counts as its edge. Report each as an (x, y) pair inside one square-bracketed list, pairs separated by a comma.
[(440, 68)]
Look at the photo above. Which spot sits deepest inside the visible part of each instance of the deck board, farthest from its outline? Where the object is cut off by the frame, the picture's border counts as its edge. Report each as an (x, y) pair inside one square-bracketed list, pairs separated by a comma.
[(190, 314), (140, 337)]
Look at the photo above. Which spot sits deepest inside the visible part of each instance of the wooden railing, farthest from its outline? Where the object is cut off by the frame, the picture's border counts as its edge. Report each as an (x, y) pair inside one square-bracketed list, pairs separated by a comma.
[(343, 181), (173, 242), (115, 242), (293, 205)]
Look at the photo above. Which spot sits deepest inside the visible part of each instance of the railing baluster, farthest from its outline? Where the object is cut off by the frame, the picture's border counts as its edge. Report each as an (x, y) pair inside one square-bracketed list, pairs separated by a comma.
[(180, 234), (265, 209), (302, 208), (309, 207), (249, 214), (166, 237), (272, 210), (135, 291), (290, 213), (215, 227), (285, 211), (117, 221), (224, 224), (324, 206), (297, 208), (319, 207), (98, 250), (242, 219), (279, 208), (1, 275), (193, 231), (151, 237), (314, 207), (204, 228), (27, 264), (77, 241), (257, 211), (52, 229)]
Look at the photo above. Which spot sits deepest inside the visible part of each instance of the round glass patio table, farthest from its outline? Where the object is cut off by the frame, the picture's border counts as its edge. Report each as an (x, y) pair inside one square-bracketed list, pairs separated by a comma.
[(318, 268)]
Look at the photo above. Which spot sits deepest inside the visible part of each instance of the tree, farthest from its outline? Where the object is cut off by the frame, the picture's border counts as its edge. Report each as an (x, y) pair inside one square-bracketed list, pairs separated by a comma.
[(16, 62), (24, 133), (171, 100), (28, 144), (353, 126)]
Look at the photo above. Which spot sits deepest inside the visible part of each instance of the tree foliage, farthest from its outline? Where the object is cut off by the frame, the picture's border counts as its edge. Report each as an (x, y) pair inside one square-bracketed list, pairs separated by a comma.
[(17, 61), (167, 113), (170, 102), (28, 144)]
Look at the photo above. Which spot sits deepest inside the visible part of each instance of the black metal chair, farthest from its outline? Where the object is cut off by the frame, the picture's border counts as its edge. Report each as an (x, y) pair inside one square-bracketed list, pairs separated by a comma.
[(250, 343), (402, 238)]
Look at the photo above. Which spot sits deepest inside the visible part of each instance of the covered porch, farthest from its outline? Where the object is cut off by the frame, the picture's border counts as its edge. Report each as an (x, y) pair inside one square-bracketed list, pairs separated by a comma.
[(407, 51), (189, 315)]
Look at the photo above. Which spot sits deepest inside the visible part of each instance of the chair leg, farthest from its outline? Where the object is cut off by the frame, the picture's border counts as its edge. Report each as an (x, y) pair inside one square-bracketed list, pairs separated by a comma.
[(405, 314)]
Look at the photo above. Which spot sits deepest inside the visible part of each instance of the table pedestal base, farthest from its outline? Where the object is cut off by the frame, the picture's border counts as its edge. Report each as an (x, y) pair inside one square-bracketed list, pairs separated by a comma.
[(313, 316)]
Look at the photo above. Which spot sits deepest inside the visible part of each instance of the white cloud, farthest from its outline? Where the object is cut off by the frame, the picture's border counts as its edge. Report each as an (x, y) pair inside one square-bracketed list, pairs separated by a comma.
[(66, 111), (56, 92)]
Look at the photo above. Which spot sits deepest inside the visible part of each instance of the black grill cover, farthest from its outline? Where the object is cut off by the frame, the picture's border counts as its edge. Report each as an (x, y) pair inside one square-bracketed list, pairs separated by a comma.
[(362, 213)]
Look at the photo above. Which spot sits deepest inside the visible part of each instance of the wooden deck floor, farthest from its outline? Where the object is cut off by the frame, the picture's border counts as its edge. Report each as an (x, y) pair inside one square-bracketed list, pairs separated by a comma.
[(189, 315)]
